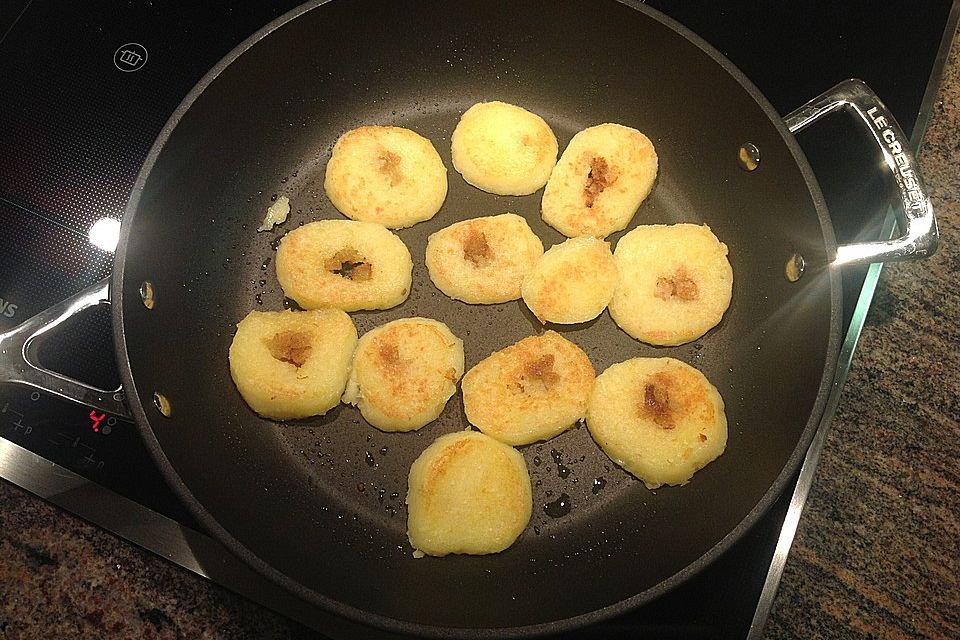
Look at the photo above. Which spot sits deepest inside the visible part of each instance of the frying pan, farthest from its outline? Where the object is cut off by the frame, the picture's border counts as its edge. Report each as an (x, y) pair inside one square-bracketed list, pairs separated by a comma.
[(317, 505)]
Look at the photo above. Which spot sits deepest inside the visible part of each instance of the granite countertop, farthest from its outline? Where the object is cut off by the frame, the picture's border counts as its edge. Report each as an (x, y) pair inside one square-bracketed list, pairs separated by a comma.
[(876, 553)]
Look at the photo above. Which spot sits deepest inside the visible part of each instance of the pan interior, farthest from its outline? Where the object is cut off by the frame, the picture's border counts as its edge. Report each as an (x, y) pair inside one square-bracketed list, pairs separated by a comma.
[(322, 500)]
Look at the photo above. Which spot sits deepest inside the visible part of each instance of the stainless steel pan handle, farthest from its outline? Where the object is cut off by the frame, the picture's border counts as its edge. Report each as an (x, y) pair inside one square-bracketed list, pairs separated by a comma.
[(920, 235), (18, 350)]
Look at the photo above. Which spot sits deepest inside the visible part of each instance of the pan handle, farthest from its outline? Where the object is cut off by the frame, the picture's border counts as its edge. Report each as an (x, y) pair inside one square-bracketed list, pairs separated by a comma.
[(920, 235), (18, 351)]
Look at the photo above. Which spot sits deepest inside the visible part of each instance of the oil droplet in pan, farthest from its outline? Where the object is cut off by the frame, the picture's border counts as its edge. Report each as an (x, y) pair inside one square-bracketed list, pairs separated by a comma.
[(147, 294), (598, 485), (559, 507), (562, 470), (748, 156), (162, 404), (794, 268)]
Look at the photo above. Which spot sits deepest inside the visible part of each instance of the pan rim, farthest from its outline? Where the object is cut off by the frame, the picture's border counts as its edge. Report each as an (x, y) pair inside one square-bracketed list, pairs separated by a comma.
[(390, 624)]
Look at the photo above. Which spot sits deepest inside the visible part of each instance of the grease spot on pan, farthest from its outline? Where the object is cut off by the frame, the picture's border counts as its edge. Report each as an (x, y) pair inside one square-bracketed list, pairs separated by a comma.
[(146, 294), (749, 156), (162, 404), (559, 507), (794, 268)]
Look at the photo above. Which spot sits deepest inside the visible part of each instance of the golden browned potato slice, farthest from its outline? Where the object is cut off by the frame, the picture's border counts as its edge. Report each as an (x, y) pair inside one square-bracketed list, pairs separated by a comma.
[(675, 283), (344, 264), (572, 282), (658, 418), (483, 260), (404, 372), (532, 390), (389, 175), (292, 364), (467, 493), (503, 149), (599, 182)]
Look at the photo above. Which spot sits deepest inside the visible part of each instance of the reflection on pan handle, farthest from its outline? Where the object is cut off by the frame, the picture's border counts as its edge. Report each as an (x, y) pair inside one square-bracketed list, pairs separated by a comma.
[(920, 234), (18, 351)]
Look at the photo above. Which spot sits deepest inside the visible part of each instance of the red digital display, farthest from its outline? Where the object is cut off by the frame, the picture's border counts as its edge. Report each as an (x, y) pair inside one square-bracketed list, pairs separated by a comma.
[(101, 423), (96, 419)]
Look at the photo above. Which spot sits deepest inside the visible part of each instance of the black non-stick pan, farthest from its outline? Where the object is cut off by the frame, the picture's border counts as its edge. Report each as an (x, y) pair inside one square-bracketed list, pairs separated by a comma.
[(318, 505)]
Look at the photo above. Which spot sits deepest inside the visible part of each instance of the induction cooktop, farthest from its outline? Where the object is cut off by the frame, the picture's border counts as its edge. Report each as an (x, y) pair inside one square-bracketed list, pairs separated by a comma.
[(88, 86)]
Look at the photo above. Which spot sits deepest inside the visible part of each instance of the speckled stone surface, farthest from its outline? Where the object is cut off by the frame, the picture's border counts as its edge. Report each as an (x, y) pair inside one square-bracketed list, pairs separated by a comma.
[(876, 554)]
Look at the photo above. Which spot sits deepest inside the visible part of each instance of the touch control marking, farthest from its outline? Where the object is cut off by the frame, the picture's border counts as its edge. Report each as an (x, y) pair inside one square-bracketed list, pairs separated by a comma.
[(130, 57)]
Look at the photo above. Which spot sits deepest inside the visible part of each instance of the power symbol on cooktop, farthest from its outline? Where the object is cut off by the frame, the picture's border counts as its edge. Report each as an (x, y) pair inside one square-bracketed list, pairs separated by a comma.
[(130, 57)]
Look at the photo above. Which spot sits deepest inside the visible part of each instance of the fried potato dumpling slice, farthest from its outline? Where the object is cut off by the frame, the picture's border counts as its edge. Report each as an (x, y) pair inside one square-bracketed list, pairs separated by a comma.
[(658, 418), (572, 282), (389, 175), (599, 182), (467, 493), (345, 264), (292, 364), (503, 149), (529, 391), (404, 372), (483, 260), (675, 283)]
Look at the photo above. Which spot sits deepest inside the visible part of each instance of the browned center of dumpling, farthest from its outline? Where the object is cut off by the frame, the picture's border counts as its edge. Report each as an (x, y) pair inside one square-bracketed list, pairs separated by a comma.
[(599, 178), (680, 285), (389, 356), (388, 163), (475, 247), (290, 346), (656, 401), (349, 264), (541, 372)]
